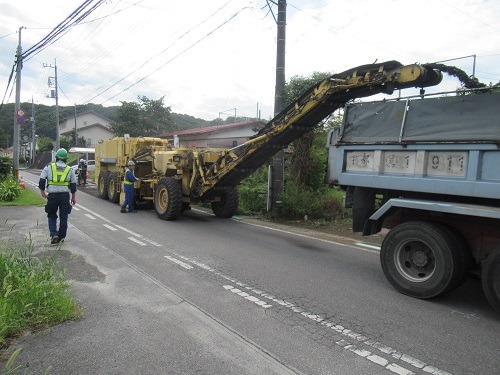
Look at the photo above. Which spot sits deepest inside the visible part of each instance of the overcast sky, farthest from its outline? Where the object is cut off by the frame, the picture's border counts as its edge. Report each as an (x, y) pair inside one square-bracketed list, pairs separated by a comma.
[(210, 57)]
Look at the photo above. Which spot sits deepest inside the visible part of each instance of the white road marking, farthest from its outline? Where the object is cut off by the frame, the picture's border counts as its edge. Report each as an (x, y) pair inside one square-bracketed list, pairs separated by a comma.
[(90, 216), (137, 241), (367, 245), (247, 296), (307, 236), (314, 317), (110, 227), (179, 262), (349, 334), (122, 228)]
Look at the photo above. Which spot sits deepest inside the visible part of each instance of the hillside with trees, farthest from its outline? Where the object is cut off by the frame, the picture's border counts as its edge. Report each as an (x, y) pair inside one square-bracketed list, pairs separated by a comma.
[(45, 119)]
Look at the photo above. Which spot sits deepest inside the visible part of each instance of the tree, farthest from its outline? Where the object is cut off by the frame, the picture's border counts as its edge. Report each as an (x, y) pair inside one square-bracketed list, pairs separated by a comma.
[(145, 118), (304, 169), (45, 144)]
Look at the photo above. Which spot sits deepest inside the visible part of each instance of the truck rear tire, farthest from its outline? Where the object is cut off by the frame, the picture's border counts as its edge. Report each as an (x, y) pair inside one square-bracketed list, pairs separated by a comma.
[(465, 261), (168, 199), (102, 184), (113, 187), (490, 279), (421, 259), (228, 206)]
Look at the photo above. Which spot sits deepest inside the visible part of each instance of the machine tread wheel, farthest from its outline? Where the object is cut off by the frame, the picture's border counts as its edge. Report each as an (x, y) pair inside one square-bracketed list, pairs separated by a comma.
[(228, 206), (490, 278), (420, 259), (113, 187), (102, 184), (168, 199)]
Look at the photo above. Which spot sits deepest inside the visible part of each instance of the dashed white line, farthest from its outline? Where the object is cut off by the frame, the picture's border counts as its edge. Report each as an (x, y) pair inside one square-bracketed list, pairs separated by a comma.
[(247, 296), (90, 216), (387, 350), (314, 317), (110, 227), (137, 241), (179, 262)]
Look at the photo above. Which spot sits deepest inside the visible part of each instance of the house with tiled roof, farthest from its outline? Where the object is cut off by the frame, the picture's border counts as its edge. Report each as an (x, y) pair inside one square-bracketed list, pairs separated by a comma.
[(89, 125), (226, 136), (8, 152)]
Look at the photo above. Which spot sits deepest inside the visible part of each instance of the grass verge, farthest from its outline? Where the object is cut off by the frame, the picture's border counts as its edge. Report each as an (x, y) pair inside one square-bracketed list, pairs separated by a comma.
[(26, 198), (33, 294)]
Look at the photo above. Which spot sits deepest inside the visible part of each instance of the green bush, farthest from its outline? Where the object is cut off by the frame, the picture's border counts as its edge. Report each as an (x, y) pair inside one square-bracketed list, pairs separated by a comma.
[(253, 193), (9, 189), (299, 200), (6, 166), (33, 295)]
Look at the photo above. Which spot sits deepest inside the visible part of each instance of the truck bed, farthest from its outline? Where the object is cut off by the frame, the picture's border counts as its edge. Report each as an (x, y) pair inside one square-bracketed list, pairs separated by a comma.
[(439, 146)]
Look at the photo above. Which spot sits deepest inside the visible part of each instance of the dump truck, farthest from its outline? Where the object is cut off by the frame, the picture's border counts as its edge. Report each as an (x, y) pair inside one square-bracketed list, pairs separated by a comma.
[(425, 169)]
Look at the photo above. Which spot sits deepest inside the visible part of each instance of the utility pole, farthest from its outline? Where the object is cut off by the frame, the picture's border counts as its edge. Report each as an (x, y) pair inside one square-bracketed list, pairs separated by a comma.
[(56, 95), (17, 107), (277, 169), (76, 134), (225, 112), (33, 136)]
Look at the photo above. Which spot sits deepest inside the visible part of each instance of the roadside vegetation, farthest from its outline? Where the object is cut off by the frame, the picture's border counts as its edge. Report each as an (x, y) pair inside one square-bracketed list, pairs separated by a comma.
[(306, 197), (34, 294)]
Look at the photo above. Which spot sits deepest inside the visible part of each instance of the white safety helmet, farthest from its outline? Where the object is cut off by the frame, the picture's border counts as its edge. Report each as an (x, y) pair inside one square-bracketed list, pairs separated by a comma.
[(82, 161), (130, 163)]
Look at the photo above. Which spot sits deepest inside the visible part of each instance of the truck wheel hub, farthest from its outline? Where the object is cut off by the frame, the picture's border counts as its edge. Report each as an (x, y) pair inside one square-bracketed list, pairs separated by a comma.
[(419, 259)]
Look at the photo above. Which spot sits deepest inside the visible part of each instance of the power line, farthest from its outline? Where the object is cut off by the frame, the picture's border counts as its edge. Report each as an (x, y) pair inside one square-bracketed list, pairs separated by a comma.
[(169, 61), (73, 19)]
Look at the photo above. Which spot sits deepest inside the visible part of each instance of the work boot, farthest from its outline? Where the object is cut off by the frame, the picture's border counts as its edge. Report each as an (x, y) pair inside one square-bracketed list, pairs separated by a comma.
[(123, 210)]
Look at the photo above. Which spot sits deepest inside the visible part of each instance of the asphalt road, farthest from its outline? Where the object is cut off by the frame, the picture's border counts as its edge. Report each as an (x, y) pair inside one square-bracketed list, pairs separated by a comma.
[(209, 295)]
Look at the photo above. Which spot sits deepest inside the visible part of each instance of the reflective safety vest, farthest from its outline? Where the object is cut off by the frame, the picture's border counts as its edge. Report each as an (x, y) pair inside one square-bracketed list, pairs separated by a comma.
[(125, 181), (59, 178)]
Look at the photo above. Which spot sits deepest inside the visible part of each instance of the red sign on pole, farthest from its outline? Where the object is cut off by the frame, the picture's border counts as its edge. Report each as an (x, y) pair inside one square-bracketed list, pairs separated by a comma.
[(20, 116)]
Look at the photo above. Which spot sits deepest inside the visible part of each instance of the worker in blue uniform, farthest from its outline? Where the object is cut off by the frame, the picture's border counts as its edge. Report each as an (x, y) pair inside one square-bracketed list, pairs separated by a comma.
[(128, 186), (57, 181)]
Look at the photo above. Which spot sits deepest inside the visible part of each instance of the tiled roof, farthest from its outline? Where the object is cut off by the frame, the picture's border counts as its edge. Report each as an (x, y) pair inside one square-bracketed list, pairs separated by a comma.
[(213, 129)]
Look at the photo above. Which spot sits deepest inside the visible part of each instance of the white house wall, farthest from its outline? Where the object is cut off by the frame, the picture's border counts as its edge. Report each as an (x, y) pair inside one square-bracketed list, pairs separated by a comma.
[(223, 138), (94, 133)]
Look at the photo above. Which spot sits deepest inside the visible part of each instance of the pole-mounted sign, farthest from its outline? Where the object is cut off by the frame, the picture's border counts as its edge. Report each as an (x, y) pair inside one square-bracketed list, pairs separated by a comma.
[(20, 116)]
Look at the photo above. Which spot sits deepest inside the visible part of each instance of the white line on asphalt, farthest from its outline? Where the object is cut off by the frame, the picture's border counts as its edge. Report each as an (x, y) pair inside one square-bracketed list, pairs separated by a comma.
[(122, 228), (349, 334), (179, 262), (367, 245), (307, 236), (110, 227), (137, 241), (238, 220), (314, 317), (90, 216), (247, 296)]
